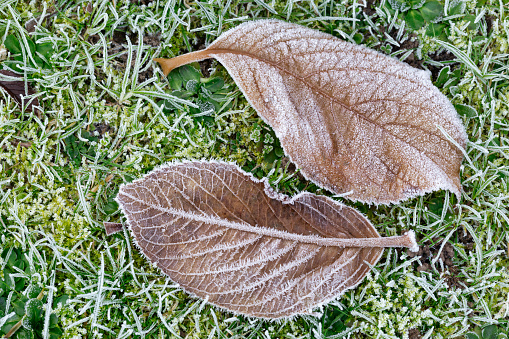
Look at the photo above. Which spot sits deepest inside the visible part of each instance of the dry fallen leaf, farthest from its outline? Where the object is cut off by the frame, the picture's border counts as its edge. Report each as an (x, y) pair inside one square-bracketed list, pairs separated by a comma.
[(112, 227), (355, 121), (230, 239), (16, 89)]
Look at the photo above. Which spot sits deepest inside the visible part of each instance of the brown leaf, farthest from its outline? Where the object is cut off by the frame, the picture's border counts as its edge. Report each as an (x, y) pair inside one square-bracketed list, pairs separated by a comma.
[(229, 238), (16, 89), (354, 120), (112, 227)]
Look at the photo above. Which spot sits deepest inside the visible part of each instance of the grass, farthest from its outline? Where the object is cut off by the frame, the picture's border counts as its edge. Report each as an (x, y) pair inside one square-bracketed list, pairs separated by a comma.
[(108, 116)]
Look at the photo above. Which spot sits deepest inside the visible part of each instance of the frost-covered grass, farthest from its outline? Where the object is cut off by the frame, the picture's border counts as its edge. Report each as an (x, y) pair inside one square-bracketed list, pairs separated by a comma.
[(108, 116)]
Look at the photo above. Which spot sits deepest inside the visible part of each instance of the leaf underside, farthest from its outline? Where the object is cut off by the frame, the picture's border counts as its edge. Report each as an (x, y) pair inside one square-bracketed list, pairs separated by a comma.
[(352, 119), (16, 89), (227, 237)]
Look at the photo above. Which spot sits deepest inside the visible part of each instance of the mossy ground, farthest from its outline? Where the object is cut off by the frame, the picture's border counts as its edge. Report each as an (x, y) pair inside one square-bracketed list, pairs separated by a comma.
[(108, 116)]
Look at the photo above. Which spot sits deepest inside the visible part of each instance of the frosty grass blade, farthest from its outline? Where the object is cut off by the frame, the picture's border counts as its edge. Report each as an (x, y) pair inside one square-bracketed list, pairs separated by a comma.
[(230, 239), (354, 120)]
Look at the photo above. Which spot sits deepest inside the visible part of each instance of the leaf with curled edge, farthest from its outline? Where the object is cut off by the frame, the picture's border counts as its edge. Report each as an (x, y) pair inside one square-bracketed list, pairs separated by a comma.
[(230, 239), (354, 120)]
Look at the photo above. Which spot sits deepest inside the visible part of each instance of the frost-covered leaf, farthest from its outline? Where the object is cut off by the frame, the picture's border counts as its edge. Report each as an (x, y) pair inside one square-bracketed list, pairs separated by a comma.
[(490, 332), (227, 237), (353, 119), (437, 31), (466, 110), (16, 89), (431, 10), (12, 44), (414, 19), (457, 7)]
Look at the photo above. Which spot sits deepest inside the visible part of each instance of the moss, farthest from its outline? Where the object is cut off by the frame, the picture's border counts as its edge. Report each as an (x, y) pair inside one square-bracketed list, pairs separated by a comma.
[(391, 307)]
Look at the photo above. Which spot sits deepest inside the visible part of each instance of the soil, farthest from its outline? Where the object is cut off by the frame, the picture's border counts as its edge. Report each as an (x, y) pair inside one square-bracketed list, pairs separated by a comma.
[(410, 43), (205, 66), (466, 239), (152, 40), (141, 2), (119, 37), (427, 253), (489, 23), (102, 128), (443, 56), (369, 7), (414, 333), (89, 8)]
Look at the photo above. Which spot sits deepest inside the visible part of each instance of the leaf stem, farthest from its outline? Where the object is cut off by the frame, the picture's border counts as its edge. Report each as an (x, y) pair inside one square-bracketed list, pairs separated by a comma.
[(14, 328), (169, 64), (407, 240)]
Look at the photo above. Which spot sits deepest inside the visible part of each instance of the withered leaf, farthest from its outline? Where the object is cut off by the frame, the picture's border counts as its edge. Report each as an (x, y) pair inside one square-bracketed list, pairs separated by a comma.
[(112, 227), (228, 238), (16, 89), (354, 120)]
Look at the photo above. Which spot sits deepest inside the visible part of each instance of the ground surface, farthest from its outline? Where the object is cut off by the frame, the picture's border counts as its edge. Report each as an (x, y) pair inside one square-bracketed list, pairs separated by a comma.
[(108, 116)]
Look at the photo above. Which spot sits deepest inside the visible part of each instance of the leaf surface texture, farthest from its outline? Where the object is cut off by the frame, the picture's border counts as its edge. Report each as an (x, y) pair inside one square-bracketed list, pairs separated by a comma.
[(229, 238), (354, 120)]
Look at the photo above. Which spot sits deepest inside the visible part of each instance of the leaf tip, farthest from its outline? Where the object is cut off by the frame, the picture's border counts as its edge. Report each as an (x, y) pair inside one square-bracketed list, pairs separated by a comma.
[(412, 243), (112, 227), (457, 188)]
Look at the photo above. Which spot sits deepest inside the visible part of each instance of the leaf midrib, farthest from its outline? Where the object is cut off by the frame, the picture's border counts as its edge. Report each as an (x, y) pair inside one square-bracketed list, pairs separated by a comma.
[(265, 231), (212, 51)]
